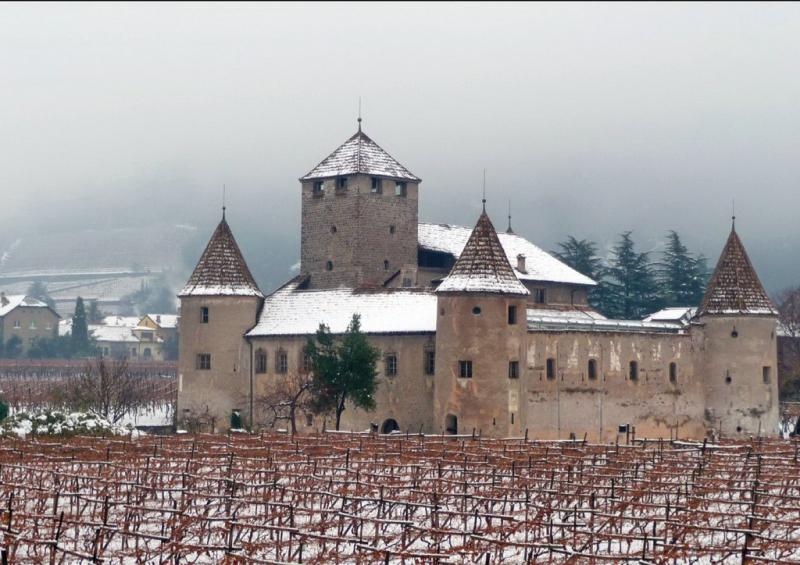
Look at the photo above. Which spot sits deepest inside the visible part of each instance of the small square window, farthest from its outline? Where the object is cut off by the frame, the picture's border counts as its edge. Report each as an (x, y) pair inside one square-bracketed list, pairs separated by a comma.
[(376, 185), (17, 324), (465, 369), (400, 189), (204, 315), (204, 361), (513, 369), (391, 365), (318, 189), (341, 184), (539, 296), (430, 361)]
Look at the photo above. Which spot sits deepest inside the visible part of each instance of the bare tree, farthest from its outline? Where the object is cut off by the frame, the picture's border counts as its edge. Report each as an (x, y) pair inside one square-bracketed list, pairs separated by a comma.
[(789, 342), (106, 388), (285, 397)]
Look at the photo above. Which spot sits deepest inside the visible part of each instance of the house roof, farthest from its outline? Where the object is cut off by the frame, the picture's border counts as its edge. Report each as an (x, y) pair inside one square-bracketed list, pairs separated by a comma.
[(588, 321), (360, 154), (126, 321), (734, 287), (292, 311), (164, 321), (222, 270), (673, 314), (16, 300), (483, 265), (540, 266)]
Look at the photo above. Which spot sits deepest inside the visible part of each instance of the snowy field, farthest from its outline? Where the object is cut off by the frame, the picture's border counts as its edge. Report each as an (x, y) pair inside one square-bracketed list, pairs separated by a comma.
[(357, 498)]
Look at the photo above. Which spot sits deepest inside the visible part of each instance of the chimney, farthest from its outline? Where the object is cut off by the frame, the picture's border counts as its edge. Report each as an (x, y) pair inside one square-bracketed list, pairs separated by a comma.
[(521, 263), (158, 319), (3, 299)]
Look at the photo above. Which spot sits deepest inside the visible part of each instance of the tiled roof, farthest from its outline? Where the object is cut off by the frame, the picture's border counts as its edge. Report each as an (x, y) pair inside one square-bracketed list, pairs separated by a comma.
[(734, 287), (483, 265), (222, 270), (539, 265), (360, 154), (290, 311)]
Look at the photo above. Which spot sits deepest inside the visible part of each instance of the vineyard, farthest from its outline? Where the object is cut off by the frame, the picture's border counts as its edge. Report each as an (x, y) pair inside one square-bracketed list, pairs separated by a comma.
[(359, 498)]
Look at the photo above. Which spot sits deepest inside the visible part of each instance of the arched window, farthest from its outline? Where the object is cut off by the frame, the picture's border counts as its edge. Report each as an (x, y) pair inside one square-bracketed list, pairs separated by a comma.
[(390, 426), (385, 264), (261, 361), (592, 369), (633, 372), (329, 266)]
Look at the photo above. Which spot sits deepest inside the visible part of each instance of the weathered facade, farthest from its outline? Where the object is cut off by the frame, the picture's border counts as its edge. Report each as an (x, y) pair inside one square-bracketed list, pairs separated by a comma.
[(480, 332)]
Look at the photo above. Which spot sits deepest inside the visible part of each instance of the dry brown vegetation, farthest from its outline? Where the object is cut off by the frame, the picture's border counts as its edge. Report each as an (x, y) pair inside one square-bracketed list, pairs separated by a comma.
[(349, 498)]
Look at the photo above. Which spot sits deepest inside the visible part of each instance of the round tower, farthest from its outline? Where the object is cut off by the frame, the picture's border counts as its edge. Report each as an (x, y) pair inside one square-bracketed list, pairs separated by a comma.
[(480, 341), (736, 345), (219, 304)]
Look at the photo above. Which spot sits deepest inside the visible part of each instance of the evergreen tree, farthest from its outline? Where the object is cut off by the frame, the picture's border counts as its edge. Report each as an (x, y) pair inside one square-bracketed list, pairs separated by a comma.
[(80, 329), (94, 315), (343, 370), (682, 276), (633, 292), (582, 256)]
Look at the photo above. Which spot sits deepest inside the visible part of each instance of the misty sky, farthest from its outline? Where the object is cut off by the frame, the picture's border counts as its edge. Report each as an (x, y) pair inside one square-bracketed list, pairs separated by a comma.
[(591, 119)]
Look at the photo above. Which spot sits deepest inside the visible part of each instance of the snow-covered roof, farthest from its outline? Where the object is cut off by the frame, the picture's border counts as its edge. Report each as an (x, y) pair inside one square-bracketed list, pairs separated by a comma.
[(588, 321), (360, 155), (9, 303), (734, 287), (673, 314), (483, 265), (119, 334), (123, 321), (165, 321), (539, 265), (289, 311), (221, 270)]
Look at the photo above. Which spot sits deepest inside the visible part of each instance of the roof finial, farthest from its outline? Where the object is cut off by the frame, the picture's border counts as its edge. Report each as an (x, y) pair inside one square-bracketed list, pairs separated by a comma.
[(484, 191), (509, 230), (359, 113), (733, 214), (223, 201)]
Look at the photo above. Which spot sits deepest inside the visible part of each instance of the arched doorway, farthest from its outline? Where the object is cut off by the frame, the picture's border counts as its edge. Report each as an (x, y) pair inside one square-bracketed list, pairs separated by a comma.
[(390, 426), (451, 424)]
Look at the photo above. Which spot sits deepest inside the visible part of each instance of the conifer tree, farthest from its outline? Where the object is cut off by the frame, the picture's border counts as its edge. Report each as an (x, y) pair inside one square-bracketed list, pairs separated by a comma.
[(582, 256), (682, 276), (343, 370), (633, 292), (80, 329)]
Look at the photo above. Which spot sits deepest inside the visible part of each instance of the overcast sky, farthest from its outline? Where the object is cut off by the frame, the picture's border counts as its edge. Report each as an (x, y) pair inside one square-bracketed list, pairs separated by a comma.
[(591, 119)]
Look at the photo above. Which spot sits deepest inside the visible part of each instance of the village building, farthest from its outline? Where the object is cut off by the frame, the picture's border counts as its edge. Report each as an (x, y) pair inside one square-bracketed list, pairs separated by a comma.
[(479, 331), (26, 319)]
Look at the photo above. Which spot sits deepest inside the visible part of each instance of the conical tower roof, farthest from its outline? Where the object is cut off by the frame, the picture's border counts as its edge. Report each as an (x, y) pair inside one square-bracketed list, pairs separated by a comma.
[(483, 265), (221, 271), (734, 287), (360, 155)]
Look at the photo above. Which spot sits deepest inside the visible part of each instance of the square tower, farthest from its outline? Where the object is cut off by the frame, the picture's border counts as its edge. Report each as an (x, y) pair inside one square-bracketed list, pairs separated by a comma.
[(359, 218)]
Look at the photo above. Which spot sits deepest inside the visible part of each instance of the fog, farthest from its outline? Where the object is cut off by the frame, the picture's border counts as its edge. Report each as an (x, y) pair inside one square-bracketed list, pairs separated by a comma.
[(589, 119)]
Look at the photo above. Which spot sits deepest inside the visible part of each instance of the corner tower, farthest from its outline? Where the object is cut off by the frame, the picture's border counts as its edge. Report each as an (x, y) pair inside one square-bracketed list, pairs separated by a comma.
[(219, 303), (737, 347), (359, 218), (480, 340)]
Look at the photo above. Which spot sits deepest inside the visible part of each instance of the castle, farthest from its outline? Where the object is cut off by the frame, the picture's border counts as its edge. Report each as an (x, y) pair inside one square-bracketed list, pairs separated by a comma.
[(479, 331)]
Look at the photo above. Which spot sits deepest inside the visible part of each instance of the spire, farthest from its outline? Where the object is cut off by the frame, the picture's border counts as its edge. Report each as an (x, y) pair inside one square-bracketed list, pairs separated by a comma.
[(484, 191), (734, 287), (221, 270), (359, 114), (509, 230), (483, 265), (223, 202)]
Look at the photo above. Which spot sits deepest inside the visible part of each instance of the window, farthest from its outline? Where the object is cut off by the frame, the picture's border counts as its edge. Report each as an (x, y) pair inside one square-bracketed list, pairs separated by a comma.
[(341, 183), (319, 189), (204, 315), (329, 266), (333, 229), (406, 282), (133, 352), (451, 424), (385, 264), (476, 311), (376, 185), (392, 229), (734, 333), (306, 363), (766, 375), (33, 325), (513, 369), (551, 368), (147, 353), (633, 372), (309, 419), (391, 365), (281, 362), (673, 372), (400, 189), (512, 315), (204, 361), (105, 351), (539, 295), (430, 361), (465, 369), (592, 369), (261, 361), (17, 324)]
